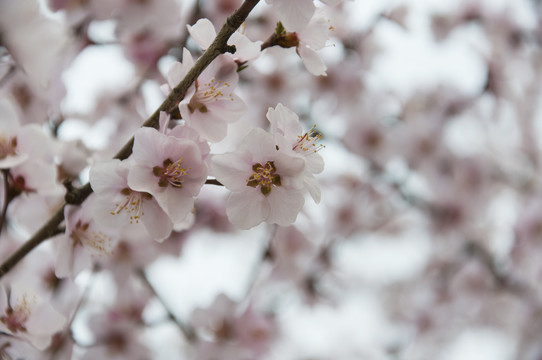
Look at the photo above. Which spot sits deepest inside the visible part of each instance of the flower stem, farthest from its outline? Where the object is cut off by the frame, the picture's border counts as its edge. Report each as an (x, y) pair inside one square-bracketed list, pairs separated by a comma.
[(5, 174), (187, 331)]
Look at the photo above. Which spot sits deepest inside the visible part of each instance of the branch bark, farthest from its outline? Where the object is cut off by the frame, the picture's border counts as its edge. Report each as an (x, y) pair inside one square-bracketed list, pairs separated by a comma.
[(78, 195)]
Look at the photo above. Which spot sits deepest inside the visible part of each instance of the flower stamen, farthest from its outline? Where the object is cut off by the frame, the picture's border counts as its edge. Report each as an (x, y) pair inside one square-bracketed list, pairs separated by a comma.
[(264, 176), (309, 141), (171, 173)]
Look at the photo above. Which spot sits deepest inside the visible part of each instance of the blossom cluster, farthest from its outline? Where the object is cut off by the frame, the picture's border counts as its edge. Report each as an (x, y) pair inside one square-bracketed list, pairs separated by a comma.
[(206, 227)]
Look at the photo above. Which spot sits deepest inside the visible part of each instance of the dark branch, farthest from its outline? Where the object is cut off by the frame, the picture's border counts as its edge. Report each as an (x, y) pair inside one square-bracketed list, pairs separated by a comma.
[(187, 331), (213, 182)]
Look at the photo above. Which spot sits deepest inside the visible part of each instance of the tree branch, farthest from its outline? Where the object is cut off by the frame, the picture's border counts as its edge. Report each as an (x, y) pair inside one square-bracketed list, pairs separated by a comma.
[(187, 331), (77, 196)]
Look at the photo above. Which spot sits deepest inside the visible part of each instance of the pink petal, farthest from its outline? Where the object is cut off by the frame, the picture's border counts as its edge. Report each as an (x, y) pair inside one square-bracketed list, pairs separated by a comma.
[(203, 32), (156, 222), (231, 170), (284, 122), (247, 209), (284, 206), (312, 61)]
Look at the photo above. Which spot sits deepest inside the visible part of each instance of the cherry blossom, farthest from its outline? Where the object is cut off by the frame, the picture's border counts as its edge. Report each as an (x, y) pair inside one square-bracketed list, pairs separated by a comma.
[(27, 316), (266, 182), (117, 206), (431, 198), (9, 127), (210, 104), (170, 169), (204, 33), (289, 134), (83, 240), (295, 15)]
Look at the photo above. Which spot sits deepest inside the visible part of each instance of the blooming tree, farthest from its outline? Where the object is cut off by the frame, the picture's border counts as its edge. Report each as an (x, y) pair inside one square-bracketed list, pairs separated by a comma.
[(289, 196)]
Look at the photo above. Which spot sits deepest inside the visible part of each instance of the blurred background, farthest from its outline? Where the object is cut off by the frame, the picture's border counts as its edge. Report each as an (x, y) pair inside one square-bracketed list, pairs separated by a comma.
[(427, 241)]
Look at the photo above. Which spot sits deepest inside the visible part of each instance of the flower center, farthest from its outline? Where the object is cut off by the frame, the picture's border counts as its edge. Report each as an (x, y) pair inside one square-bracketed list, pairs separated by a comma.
[(132, 205), (209, 92), (97, 241), (15, 317), (264, 176), (171, 173), (308, 141), (7, 146)]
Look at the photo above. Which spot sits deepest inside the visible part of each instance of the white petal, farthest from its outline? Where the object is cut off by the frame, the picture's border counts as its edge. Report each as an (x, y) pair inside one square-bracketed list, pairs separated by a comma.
[(209, 126), (247, 209), (246, 49), (141, 178), (104, 176), (231, 171), (315, 163), (294, 14), (148, 147), (317, 31), (312, 186), (312, 60), (203, 32), (63, 256), (284, 122), (284, 206), (175, 203), (259, 143), (156, 222), (43, 323)]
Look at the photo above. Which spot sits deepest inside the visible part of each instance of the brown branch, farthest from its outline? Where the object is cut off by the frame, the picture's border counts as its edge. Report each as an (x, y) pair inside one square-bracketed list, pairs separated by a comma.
[(187, 330), (8, 75), (5, 173), (48, 230), (77, 196), (213, 182)]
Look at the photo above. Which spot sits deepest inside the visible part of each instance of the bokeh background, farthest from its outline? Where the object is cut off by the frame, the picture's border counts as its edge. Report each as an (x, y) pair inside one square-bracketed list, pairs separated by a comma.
[(428, 238)]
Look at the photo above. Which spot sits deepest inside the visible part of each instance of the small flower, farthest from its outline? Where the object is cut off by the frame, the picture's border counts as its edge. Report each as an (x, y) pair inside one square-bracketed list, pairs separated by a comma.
[(289, 134), (25, 315), (82, 240), (266, 183), (9, 127), (171, 169), (209, 104), (117, 205), (295, 15), (203, 32), (307, 40)]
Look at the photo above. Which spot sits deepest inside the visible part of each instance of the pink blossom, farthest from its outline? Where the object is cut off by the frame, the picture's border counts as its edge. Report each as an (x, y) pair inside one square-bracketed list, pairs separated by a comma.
[(311, 38), (9, 126), (171, 169), (289, 134), (209, 104), (237, 332), (294, 15), (82, 240), (267, 183), (203, 32), (118, 206), (25, 315)]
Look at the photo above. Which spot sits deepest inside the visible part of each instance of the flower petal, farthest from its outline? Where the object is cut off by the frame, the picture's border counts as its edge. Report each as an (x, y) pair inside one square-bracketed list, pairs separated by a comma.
[(284, 206), (247, 209), (203, 32), (312, 61)]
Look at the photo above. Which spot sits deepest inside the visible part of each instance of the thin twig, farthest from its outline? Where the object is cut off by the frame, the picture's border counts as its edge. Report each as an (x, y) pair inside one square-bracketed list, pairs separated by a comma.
[(213, 182), (77, 196), (187, 331), (5, 173), (8, 75)]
